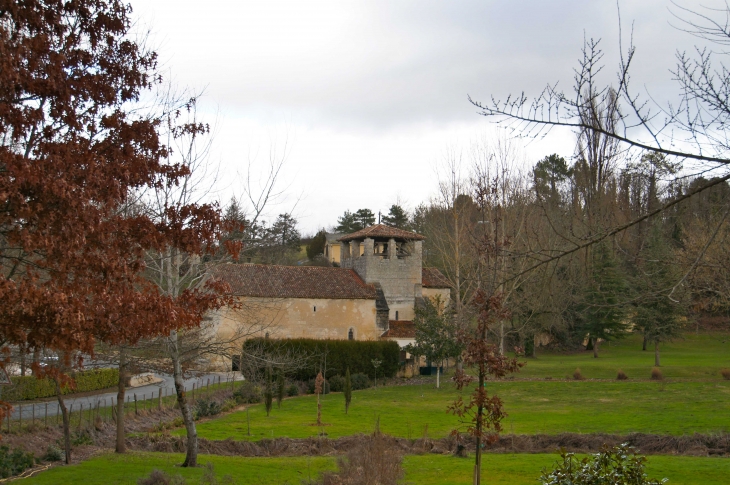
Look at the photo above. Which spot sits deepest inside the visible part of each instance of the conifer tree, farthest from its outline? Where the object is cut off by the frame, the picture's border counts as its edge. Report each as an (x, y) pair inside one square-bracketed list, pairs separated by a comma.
[(602, 309), (348, 390), (280, 384), (657, 315), (268, 390)]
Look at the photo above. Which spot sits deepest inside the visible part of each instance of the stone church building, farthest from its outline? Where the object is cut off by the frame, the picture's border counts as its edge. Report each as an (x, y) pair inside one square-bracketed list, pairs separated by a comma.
[(370, 296)]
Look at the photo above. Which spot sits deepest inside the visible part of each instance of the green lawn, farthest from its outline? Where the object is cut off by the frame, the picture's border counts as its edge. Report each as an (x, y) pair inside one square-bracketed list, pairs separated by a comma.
[(127, 469), (552, 407), (421, 470), (694, 357)]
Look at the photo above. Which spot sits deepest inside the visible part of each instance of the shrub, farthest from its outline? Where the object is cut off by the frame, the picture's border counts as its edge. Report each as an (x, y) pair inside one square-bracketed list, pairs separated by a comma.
[(14, 462), (612, 465), (29, 387), (158, 477), (360, 381), (341, 354), (656, 374), (337, 383), (53, 453), (247, 393), (376, 461), (206, 407), (292, 390), (82, 437), (725, 374), (621, 376), (577, 375)]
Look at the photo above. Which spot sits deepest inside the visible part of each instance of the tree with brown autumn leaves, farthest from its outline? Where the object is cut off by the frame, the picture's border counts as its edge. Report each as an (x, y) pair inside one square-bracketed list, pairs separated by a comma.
[(71, 153)]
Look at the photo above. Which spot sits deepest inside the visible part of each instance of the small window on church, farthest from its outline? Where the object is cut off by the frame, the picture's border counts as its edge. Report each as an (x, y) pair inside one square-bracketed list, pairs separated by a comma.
[(315, 308), (396, 314), (351, 335), (267, 335)]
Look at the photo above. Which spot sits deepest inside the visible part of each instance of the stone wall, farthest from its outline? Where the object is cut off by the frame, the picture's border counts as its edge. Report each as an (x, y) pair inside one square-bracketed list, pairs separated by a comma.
[(303, 318)]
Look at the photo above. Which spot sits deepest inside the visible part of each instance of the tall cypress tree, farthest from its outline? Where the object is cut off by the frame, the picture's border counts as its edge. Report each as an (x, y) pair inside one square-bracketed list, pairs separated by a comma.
[(347, 390)]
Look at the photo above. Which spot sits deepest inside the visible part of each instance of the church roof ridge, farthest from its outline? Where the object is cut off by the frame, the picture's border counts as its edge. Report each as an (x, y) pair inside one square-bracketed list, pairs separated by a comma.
[(381, 230)]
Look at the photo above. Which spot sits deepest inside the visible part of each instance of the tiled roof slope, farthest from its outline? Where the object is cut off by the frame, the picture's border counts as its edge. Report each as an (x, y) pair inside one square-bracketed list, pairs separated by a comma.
[(400, 329), (381, 230), (432, 278), (269, 281)]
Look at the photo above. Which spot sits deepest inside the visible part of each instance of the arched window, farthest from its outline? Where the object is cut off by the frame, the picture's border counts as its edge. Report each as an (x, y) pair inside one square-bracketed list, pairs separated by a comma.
[(351, 334), (267, 335), (396, 314)]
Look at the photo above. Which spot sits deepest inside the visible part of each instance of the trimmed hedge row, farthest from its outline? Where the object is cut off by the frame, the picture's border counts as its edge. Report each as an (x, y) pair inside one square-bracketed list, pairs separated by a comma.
[(28, 387), (341, 354)]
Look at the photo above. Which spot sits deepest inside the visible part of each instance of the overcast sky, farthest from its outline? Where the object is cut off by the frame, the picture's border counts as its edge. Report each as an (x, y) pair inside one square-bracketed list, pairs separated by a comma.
[(366, 97)]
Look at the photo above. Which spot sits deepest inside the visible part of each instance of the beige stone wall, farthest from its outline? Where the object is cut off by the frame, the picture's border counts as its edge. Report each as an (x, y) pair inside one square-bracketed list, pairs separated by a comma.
[(444, 293), (304, 318)]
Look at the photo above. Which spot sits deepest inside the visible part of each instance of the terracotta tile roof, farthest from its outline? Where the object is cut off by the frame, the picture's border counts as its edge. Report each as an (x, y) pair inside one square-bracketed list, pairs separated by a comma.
[(400, 329), (269, 281), (381, 230), (432, 278)]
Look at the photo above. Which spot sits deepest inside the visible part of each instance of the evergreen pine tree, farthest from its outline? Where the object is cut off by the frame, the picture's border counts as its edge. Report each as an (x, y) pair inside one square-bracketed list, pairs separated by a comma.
[(656, 315), (603, 312), (396, 217)]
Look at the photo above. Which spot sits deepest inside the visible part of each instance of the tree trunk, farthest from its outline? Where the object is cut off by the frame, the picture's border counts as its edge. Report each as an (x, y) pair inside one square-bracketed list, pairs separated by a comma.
[(595, 348), (66, 423), (191, 454), (643, 344), (21, 349), (657, 363), (501, 337), (121, 444)]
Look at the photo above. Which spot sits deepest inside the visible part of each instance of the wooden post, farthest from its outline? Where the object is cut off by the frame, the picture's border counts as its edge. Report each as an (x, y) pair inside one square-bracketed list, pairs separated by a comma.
[(8, 422), (81, 416), (135, 404), (32, 414), (20, 412), (193, 392), (159, 399), (45, 419), (248, 421)]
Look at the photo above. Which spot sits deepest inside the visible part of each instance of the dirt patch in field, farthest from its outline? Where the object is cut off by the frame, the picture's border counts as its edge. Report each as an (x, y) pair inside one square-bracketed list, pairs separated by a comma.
[(692, 445)]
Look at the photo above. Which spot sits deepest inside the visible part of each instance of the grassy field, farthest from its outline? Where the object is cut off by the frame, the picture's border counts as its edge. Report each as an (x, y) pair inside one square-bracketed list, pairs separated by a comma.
[(694, 357), (422, 470), (534, 407)]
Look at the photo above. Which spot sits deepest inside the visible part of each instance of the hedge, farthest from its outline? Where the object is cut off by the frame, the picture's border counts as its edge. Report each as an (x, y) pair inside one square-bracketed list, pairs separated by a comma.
[(28, 387), (341, 354)]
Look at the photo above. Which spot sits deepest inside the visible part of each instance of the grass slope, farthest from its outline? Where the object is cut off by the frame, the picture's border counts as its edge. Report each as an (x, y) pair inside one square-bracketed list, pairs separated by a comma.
[(423, 470)]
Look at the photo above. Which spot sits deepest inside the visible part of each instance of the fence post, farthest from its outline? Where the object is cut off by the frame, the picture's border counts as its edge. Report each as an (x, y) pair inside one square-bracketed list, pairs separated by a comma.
[(20, 411), (81, 415), (45, 419), (135, 404), (193, 392), (32, 414), (159, 399), (8, 422)]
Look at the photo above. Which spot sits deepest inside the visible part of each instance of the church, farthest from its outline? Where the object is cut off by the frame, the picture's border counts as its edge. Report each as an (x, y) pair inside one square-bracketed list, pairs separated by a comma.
[(370, 296)]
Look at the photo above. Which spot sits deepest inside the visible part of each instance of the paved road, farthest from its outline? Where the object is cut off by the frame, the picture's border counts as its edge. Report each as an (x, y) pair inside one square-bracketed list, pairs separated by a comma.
[(151, 391)]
